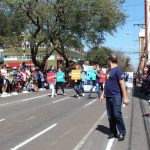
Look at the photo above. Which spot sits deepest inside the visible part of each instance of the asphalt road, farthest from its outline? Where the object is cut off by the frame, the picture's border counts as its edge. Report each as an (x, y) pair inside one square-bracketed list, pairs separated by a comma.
[(35, 121)]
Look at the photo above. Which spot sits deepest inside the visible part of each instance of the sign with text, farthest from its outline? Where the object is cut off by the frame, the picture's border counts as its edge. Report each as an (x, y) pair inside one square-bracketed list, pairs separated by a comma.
[(60, 77), (76, 75), (91, 74), (51, 77)]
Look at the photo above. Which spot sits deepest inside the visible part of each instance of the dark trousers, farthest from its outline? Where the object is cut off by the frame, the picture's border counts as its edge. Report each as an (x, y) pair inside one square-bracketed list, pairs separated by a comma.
[(61, 85), (113, 105), (77, 87)]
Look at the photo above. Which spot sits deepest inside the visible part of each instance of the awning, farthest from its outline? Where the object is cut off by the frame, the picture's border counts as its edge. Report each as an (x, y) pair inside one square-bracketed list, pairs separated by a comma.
[(18, 64)]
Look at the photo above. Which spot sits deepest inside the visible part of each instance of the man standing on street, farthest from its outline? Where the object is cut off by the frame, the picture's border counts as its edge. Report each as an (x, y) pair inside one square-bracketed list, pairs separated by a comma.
[(114, 91)]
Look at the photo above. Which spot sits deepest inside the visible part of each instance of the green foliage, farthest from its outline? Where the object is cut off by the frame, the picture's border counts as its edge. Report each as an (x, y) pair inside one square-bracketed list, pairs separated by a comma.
[(13, 23), (99, 55), (123, 61), (62, 24)]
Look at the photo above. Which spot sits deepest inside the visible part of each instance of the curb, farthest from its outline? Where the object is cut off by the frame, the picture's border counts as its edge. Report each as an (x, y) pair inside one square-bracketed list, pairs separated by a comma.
[(146, 122)]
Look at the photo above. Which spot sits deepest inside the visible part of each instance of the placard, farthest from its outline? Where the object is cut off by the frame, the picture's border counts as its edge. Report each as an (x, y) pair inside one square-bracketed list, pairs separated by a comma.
[(60, 77), (76, 75), (51, 77), (91, 74)]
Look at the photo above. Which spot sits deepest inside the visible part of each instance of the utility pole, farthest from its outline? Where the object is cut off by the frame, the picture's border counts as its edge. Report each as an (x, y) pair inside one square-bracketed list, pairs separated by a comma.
[(147, 46)]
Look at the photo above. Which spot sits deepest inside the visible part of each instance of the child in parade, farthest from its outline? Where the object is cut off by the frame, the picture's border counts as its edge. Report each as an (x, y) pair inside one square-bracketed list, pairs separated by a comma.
[(51, 76), (102, 80), (60, 81)]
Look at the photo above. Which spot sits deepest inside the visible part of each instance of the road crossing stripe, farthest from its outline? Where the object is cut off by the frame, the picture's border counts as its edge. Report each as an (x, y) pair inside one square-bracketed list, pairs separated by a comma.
[(34, 137), (60, 100), (90, 103), (2, 120), (27, 99), (82, 142), (110, 143)]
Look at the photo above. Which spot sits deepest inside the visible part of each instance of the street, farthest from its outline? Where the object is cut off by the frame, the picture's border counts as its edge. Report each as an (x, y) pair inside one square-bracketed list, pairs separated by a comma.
[(35, 121)]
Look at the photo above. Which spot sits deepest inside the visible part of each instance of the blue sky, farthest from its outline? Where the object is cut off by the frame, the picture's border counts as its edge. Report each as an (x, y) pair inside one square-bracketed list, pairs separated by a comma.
[(126, 38)]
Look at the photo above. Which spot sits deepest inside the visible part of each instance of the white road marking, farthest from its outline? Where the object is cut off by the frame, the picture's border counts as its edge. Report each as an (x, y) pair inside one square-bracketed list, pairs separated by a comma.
[(34, 137), (2, 120), (27, 99), (67, 132), (31, 118), (90, 103), (55, 142), (82, 142), (110, 143), (60, 100)]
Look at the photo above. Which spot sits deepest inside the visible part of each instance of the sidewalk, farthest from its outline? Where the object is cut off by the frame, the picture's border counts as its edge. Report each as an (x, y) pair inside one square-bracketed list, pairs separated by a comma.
[(145, 108), (138, 127)]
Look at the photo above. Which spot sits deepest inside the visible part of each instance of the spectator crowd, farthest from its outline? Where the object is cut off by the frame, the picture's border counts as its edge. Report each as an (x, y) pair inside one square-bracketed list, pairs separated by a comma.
[(143, 78), (21, 79)]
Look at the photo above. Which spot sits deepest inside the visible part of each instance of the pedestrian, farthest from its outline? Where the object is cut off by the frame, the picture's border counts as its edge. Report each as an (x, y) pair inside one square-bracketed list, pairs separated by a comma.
[(83, 81), (60, 81), (77, 83), (114, 91), (42, 79), (51, 80), (95, 82), (102, 80)]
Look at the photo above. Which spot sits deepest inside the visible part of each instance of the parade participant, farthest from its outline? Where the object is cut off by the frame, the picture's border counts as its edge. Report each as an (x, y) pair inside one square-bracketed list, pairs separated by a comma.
[(60, 81), (83, 81), (51, 75), (77, 84), (114, 92), (95, 82), (102, 79)]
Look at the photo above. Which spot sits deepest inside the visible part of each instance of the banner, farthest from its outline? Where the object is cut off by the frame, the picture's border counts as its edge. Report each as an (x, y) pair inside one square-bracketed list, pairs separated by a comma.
[(51, 77), (76, 75), (60, 77), (129, 79)]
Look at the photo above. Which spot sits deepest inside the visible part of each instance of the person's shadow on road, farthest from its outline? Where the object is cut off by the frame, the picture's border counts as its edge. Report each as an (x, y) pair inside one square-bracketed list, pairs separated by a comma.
[(103, 129)]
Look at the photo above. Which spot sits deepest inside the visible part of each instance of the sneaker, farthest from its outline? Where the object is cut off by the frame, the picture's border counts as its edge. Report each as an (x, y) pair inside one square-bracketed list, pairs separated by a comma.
[(52, 96), (121, 137), (111, 136), (76, 95), (64, 94), (83, 94), (149, 101), (89, 97), (79, 97), (56, 94)]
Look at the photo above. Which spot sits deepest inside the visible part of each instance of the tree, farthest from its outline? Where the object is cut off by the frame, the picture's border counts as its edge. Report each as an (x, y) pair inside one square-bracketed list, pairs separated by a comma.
[(99, 55), (62, 24), (11, 27), (123, 61)]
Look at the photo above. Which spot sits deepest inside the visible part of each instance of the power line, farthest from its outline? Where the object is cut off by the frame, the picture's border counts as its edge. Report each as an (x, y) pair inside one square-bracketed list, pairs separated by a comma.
[(134, 20), (131, 52), (134, 5)]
